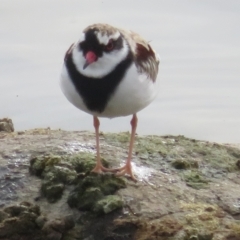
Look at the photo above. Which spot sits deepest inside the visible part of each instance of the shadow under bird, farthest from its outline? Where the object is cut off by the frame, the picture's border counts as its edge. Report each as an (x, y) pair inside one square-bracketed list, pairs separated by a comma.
[(110, 72)]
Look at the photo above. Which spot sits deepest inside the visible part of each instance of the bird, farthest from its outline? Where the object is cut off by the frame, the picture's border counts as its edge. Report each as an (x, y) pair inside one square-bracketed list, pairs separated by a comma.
[(110, 72)]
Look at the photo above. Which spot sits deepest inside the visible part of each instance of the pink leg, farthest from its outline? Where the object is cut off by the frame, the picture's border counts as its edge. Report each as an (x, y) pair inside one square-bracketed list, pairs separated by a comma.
[(96, 124), (127, 168), (99, 168)]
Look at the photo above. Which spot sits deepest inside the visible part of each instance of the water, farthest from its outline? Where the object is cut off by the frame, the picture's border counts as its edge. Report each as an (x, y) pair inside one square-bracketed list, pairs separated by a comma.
[(199, 45)]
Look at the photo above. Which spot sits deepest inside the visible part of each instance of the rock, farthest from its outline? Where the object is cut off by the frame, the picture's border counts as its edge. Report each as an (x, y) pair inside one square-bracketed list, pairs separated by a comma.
[(55, 229), (184, 164), (6, 125), (60, 174), (238, 163), (69, 222), (40, 221), (195, 180), (24, 221), (180, 164), (39, 163), (21, 220), (52, 191), (3, 215), (186, 189), (84, 162), (84, 200), (108, 204), (94, 188)]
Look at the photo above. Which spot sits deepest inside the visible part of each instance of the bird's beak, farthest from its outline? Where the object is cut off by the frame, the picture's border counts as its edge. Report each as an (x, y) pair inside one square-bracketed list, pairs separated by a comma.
[(90, 58)]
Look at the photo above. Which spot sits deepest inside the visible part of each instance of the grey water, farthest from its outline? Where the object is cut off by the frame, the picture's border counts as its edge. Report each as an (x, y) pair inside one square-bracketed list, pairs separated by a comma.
[(199, 46)]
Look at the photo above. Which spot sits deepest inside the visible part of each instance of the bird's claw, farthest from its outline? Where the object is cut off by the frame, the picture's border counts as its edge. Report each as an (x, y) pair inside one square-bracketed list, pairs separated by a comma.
[(125, 170), (102, 169)]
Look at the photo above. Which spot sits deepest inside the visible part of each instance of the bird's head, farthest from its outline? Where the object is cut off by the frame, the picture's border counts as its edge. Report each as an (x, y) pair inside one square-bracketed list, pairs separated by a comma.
[(100, 49)]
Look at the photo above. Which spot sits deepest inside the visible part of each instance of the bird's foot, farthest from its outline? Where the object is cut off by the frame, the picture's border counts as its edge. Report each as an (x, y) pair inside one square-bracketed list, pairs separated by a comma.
[(99, 168), (126, 170)]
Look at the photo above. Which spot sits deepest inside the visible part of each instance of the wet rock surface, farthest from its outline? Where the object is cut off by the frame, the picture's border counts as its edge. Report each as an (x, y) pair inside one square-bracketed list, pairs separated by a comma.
[(186, 189)]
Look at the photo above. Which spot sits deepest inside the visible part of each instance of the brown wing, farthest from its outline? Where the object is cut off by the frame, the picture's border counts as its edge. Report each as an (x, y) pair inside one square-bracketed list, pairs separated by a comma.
[(146, 60)]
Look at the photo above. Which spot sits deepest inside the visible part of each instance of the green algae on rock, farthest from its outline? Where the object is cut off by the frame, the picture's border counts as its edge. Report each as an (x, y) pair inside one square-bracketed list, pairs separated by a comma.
[(184, 164), (194, 179), (90, 193), (182, 152), (161, 206), (85, 162), (108, 204), (3, 215), (199, 222), (52, 191), (120, 138), (22, 221), (213, 154), (84, 200), (90, 188), (63, 174), (180, 164), (202, 220), (38, 163), (55, 175), (150, 229)]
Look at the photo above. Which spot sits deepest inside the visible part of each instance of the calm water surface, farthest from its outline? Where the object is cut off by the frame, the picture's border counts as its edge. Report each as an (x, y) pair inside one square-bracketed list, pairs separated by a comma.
[(199, 45)]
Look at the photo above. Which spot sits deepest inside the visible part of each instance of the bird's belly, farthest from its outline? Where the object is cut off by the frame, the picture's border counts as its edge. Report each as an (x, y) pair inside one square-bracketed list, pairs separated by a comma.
[(133, 93)]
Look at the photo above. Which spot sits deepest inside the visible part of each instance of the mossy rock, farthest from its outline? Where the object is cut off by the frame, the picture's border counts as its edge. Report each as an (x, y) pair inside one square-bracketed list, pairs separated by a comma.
[(108, 204), (180, 164), (3, 215), (216, 155), (146, 228), (107, 183), (55, 179), (93, 188), (60, 174), (203, 220), (238, 164), (85, 162), (117, 139), (85, 200), (38, 163), (150, 145), (184, 164), (234, 152), (24, 221), (16, 210), (21, 220), (195, 180), (52, 192)]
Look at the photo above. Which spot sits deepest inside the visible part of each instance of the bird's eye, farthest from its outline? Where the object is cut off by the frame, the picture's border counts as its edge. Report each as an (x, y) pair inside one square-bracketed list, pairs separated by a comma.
[(109, 46)]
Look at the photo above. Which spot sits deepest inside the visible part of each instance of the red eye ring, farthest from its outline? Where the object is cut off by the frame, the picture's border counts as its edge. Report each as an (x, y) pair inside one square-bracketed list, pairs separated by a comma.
[(109, 46)]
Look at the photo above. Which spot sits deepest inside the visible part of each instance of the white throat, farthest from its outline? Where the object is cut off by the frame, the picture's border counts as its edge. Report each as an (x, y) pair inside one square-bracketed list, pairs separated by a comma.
[(103, 66)]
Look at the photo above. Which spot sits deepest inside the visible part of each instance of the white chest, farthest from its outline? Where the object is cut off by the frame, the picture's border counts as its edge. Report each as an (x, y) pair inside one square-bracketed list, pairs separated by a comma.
[(134, 92)]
